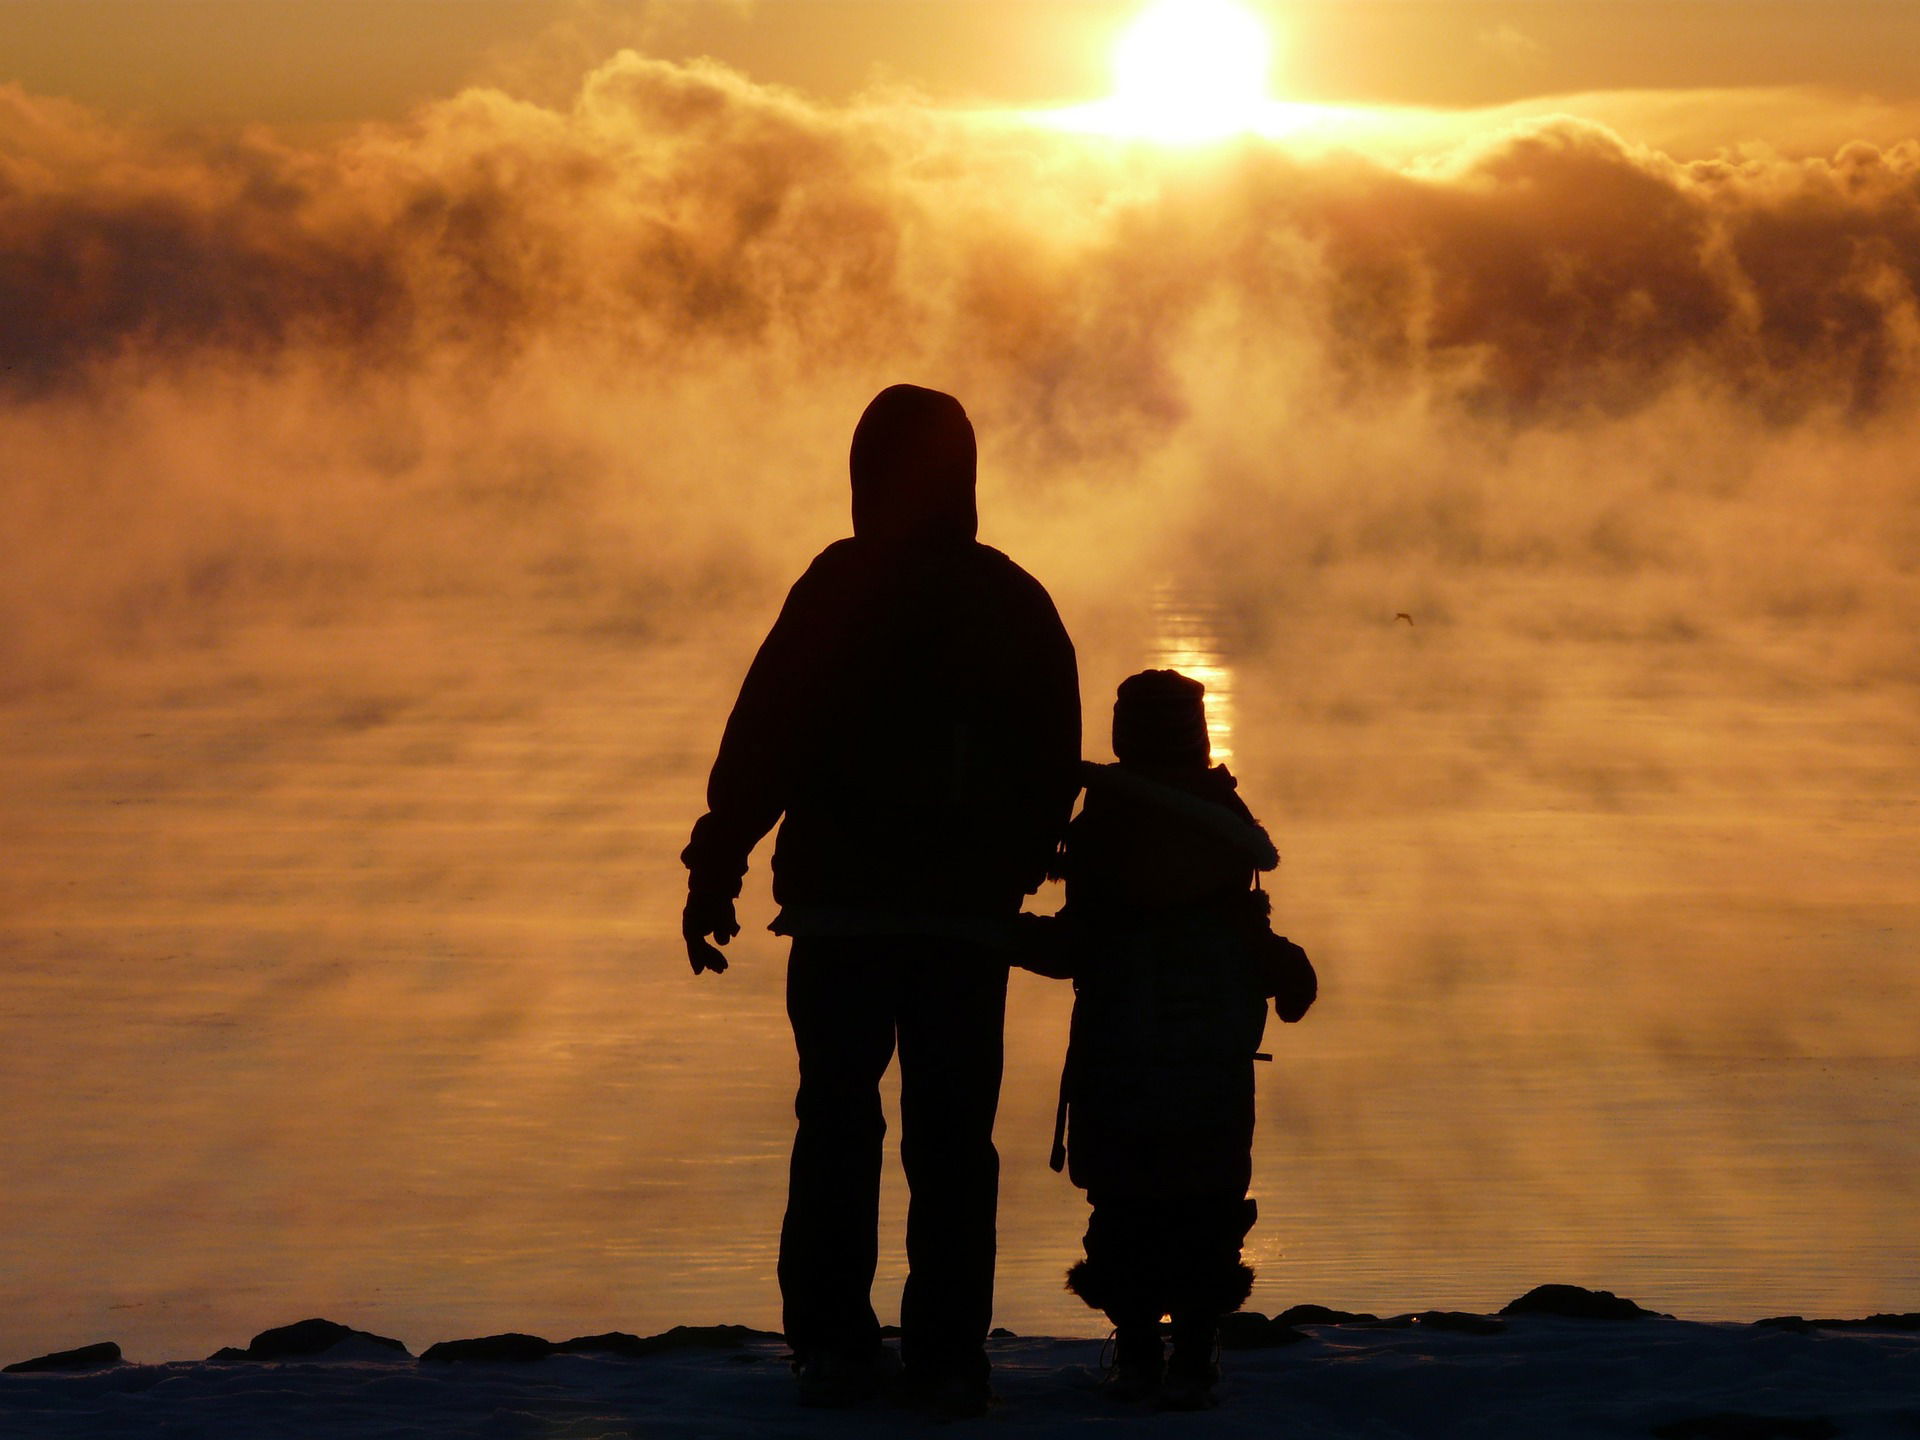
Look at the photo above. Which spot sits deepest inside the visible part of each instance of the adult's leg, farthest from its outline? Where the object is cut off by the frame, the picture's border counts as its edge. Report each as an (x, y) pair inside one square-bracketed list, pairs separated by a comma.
[(951, 1021), (840, 1000)]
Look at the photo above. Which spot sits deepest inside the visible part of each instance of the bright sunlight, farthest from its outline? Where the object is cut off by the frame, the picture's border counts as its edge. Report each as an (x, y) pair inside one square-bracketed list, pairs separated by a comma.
[(1192, 70), (1187, 72)]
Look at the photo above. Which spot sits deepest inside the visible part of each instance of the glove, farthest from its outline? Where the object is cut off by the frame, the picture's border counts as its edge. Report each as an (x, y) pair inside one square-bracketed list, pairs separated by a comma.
[(1295, 986), (707, 915)]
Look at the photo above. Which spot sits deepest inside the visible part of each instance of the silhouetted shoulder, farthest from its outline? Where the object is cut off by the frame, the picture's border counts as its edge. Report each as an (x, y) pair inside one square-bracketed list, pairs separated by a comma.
[(843, 580), (1000, 570), (999, 560), (837, 559), (967, 572)]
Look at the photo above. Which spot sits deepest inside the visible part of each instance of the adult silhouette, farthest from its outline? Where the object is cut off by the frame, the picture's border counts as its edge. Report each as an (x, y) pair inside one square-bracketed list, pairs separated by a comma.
[(914, 714)]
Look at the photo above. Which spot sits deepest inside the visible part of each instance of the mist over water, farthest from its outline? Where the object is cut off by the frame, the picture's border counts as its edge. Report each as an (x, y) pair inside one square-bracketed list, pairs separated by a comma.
[(387, 524)]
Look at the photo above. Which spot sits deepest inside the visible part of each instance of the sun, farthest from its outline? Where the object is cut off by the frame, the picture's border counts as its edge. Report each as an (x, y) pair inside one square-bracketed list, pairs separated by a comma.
[(1191, 70), (1187, 73)]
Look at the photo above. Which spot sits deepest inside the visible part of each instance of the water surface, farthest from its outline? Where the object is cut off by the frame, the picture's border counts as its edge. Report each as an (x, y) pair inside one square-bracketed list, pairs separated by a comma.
[(340, 978)]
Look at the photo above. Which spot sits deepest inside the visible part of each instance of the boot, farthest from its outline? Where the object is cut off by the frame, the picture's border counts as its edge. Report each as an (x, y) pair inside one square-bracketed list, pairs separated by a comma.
[(1125, 1292), (957, 1387), (840, 1377), (1138, 1361), (1193, 1370)]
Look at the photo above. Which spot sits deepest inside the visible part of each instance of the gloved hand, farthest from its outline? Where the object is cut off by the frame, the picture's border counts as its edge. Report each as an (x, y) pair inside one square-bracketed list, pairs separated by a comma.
[(1295, 986), (707, 915)]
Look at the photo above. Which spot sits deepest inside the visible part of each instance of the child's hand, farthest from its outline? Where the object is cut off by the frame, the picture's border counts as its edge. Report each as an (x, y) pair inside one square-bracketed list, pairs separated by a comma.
[(1295, 986)]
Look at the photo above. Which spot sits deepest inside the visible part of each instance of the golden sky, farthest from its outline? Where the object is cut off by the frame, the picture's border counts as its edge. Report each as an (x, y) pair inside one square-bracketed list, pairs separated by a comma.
[(334, 60), (393, 495)]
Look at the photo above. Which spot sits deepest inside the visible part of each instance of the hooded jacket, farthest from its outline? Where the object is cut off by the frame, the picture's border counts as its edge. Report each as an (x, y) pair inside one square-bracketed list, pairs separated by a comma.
[(914, 713)]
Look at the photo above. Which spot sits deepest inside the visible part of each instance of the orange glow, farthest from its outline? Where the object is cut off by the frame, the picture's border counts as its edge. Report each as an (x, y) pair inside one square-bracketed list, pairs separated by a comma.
[(393, 509)]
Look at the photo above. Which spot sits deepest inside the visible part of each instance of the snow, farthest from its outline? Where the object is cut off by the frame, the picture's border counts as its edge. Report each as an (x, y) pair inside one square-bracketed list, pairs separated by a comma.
[(1543, 1378)]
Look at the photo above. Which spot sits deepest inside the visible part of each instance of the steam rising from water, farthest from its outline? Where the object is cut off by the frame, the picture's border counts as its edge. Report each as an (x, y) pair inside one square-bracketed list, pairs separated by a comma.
[(611, 350), (387, 521)]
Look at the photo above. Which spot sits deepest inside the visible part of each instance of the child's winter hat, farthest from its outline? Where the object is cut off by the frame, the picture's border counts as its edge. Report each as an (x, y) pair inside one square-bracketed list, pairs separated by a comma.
[(1160, 718)]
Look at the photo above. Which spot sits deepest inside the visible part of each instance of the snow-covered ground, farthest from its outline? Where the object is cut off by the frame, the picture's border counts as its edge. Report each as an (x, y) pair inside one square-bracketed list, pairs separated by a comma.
[(1541, 1377)]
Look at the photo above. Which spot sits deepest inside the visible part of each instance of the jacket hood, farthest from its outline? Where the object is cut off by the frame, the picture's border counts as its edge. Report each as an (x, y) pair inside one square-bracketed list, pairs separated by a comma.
[(913, 465)]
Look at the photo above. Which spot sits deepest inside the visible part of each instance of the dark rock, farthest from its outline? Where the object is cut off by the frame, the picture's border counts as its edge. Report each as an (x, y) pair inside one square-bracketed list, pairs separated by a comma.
[(510, 1348), (302, 1339), (1250, 1330), (1242, 1329), (1320, 1315), (87, 1357), (1909, 1321), (613, 1342), (1000, 1332), (680, 1337), (228, 1355), (1460, 1322), (1735, 1425), (1575, 1303)]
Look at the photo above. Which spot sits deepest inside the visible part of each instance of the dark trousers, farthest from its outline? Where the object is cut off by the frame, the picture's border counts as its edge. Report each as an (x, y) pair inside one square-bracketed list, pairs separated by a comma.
[(851, 1001), (1149, 1256)]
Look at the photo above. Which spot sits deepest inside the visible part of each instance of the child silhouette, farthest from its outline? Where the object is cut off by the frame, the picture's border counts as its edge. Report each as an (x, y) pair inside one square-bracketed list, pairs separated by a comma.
[(1165, 936)]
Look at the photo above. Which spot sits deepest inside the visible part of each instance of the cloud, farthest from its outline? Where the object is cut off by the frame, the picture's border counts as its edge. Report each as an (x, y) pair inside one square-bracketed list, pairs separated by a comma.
[(609, 350), (1769, 123), (677, 205)]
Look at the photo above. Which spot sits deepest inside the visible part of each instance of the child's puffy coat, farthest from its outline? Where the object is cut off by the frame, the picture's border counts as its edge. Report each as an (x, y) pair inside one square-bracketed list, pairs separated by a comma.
[(1172, 964)]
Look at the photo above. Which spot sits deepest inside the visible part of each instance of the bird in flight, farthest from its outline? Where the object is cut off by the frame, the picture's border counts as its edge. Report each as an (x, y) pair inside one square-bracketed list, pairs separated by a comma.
[(1402, 615)]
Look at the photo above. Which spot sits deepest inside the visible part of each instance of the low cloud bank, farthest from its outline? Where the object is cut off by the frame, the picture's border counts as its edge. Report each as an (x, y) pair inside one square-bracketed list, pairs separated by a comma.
[(608, 355)]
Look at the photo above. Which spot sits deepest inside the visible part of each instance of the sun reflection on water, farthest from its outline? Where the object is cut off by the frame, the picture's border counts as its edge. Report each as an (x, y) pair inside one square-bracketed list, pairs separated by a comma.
[(1186, 637)]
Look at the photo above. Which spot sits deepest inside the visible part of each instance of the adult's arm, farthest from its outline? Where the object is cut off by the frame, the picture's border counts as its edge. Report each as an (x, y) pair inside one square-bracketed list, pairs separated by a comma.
[(750, 782), (1046, 680)]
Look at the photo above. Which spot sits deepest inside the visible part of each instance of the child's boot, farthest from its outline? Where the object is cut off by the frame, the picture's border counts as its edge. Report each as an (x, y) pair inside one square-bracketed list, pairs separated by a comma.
[(1117, 1284), (1192, 1372), (1138, 1360)]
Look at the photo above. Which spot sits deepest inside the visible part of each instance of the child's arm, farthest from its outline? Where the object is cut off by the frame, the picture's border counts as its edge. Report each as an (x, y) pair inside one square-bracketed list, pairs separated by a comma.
[(1043, 944)]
